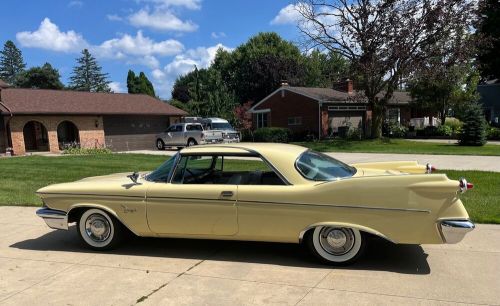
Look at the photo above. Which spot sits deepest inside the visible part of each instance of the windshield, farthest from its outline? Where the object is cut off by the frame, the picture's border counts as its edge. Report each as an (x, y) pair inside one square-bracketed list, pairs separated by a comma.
[(221, 126), (320, 167), (162, 173)]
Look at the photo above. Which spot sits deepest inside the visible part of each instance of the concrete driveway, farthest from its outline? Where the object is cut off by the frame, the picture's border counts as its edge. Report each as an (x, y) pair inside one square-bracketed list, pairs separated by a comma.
[(39, 266)]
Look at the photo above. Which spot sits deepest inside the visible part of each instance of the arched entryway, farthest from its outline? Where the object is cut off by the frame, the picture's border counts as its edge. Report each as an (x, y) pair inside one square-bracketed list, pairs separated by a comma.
[(36, 137), (67, 134)]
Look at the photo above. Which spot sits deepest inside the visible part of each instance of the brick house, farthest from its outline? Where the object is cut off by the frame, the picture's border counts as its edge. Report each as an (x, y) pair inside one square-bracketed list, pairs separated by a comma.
[(322, 111), (35, 120)]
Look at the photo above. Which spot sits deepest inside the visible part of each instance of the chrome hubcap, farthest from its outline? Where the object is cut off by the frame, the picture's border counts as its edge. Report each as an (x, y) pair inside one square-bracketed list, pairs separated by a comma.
[(336, 241), (97, 228), (159, 144)]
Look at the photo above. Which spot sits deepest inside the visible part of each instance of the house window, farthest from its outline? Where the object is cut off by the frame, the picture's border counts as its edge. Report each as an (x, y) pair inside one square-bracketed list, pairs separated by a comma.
[(294, 120), (262, 120)]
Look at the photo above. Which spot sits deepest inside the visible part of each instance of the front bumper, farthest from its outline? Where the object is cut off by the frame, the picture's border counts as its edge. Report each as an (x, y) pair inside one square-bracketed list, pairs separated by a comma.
[(54, 218), (453, 231)]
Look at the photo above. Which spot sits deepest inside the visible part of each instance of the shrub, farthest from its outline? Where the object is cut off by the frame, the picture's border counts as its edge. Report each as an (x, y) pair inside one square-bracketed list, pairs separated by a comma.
[(444, 130), (396, 130), (453, 123), (86, 151), (354, 134), (272, 134), (474, 129), (494, 133)]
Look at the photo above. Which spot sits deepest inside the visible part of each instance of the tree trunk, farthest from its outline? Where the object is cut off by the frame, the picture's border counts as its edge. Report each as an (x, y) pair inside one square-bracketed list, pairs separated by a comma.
[(377, 119)]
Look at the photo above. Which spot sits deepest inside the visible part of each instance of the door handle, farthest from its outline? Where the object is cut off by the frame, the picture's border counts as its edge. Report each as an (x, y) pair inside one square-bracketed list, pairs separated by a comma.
[(226, 194)]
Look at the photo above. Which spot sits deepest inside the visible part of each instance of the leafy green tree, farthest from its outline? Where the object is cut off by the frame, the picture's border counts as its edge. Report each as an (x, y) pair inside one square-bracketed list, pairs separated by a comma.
[(323, 69), (88, 76), (489, 29), (44, 77), (439, 88), (11, 62), (139, 84), (131, 82), (473, 131)]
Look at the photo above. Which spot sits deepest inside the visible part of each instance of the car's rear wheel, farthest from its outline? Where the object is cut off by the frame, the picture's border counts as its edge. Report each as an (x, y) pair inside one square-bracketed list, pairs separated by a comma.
[(335, 245), (99, 230), (191, 142), (160, 145)]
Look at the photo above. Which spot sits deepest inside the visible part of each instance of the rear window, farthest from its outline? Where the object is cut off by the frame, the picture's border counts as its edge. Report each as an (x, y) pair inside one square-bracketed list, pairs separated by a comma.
[(194, 127), (320, 167)]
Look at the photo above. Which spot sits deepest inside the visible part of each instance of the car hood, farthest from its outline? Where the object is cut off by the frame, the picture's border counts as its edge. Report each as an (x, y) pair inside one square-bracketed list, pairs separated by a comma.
[(105, 184)]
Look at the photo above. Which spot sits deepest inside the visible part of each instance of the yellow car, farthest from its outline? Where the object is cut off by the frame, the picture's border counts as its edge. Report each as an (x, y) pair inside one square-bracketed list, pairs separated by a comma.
[(265, 192)]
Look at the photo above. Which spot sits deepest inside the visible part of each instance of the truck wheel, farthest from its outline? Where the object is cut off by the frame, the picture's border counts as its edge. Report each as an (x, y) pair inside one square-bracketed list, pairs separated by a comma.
[(191, 142), (160, 144)]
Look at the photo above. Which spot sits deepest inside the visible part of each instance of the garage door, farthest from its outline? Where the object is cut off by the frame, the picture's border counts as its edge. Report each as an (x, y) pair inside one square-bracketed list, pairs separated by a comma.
[(338, 119)]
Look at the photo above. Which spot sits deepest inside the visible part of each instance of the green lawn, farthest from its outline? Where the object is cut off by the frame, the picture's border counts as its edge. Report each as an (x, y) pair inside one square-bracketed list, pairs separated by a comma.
[(398, 146), (22, 176)]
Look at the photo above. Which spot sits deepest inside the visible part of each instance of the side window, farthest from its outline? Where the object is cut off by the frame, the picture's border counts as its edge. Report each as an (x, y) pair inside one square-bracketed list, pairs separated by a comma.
[(170, 129), (178, 128), (225, 170)]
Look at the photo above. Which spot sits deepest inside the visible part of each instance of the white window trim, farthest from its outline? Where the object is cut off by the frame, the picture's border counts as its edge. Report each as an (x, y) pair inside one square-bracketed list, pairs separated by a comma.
[(259, 111)]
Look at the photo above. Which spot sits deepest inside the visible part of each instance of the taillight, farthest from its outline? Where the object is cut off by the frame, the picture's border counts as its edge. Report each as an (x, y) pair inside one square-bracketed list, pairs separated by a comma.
[(429, 168), (464, 185)]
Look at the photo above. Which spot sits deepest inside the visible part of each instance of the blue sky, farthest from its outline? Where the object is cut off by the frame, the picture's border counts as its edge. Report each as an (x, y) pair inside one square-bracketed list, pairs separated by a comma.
[(163, 38)]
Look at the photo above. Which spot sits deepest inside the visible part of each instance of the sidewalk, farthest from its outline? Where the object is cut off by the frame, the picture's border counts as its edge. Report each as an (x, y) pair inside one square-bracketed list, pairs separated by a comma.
[(451, 141)]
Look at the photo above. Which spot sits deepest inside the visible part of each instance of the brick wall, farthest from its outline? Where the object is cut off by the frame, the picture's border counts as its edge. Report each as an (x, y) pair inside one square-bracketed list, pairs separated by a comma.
[(285, 104), (91, 132)]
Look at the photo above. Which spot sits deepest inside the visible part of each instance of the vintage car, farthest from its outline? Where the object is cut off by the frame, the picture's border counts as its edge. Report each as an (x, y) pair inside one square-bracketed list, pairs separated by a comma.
[(265, 192)]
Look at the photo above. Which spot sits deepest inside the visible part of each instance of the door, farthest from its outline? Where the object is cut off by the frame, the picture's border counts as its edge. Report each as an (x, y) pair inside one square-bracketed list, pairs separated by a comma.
[(188, 206), (168, 135)]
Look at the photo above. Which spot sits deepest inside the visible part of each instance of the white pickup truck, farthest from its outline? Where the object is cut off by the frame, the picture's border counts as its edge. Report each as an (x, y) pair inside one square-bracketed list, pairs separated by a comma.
[(185, 135)]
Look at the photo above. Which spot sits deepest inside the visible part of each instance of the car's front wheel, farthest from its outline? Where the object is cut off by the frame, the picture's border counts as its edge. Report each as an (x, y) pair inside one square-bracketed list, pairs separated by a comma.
[(99, 230), (335, 245), (191, 142)]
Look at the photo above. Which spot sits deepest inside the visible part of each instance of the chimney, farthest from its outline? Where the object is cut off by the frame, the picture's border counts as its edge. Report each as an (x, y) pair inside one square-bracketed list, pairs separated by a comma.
[(284, 83), (344, 85)]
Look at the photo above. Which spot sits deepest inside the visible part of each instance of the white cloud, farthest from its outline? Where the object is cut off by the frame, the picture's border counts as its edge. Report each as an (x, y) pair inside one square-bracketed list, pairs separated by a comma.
[(114, 17), (148, 60), (200, 57), (138, 45), (116, 87), (75, 3), (189, 4), (217, 35), (161, 19), (49, 37), (287, 15)]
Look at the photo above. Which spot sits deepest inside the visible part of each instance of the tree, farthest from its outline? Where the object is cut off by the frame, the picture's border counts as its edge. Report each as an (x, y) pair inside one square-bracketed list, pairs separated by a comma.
[(88, 76), (439, 88), (256, 68), (474, 128), (11, 62), (385, 40), (44, 77), (323, 69), (139, 84), (489, 29)]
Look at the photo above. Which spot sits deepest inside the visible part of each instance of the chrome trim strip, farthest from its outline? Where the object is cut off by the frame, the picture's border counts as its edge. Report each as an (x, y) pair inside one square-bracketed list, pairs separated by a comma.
[(56, 219), (453, 231), (92, 194), (337, 206)]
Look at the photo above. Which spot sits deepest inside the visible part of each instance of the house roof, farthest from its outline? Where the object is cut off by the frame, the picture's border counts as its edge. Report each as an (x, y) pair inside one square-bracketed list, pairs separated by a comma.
[(331, 95), (51, 102), (3, 84)]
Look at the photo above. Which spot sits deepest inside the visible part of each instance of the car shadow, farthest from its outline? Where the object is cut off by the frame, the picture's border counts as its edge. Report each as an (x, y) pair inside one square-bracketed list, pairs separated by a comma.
[(380, 255)]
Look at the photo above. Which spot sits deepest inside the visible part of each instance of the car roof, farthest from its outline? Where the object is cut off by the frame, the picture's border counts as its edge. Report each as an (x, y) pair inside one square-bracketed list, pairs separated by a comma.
[(215, 120), (281, 156)]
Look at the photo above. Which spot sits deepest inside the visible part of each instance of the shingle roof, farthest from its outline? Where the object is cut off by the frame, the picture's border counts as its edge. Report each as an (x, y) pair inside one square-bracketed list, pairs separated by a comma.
[(41, 101), (3, 84), (329, 94)]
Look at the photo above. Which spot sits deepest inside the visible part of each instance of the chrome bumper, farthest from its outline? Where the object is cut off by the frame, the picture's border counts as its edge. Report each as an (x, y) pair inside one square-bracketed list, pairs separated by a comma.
[(54, 218), (453, 231)]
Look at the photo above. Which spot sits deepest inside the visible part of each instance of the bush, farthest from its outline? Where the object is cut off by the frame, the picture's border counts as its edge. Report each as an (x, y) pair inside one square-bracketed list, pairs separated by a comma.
[(354, 134), (396, 130), (454, 123), (494, 133), (474, 129), (444, 130), (272, 134), (86, 151)]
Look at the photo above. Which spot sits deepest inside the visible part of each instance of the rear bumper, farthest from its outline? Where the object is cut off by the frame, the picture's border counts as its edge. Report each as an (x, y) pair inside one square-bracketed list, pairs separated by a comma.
[(453, 231), (54, 218)]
